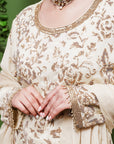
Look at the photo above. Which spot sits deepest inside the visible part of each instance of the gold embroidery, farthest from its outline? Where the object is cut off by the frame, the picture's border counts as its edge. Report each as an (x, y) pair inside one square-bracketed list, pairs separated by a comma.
[(85, 107), (75, 59), (76, 112), (67, 27)]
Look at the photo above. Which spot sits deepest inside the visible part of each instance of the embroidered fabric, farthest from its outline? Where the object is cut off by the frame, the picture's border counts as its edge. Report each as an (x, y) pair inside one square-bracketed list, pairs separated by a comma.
[(79, 57), (67, 27), (85, 107)]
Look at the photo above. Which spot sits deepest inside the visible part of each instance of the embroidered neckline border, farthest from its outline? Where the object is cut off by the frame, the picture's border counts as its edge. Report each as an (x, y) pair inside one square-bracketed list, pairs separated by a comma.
[(57, 30)]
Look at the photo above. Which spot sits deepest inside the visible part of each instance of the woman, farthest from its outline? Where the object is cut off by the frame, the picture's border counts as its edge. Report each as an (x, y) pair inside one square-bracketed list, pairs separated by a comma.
[(57, 79)]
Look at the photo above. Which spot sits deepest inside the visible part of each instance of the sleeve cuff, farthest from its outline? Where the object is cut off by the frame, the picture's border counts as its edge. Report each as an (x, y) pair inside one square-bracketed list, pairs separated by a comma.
[(9, 115), (85, 107)]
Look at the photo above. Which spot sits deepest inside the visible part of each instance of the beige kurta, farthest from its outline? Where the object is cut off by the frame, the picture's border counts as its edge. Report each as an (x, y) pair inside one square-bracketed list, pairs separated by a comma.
[(80, 56)]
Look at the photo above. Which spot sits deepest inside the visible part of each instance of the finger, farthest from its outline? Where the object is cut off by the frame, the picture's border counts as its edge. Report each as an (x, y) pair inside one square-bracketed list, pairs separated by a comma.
[(22, 108), (28, 106), (54, 112), (54, 102), (35, 93), (50, 105), (32, 100), (54, 105), (47, 99)]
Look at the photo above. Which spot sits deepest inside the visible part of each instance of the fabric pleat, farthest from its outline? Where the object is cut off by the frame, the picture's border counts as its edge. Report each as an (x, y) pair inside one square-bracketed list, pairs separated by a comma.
[(95, 135)]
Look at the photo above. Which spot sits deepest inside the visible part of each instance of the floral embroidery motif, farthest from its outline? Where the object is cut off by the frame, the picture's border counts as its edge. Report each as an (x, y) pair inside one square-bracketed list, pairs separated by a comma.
[(82, 55)]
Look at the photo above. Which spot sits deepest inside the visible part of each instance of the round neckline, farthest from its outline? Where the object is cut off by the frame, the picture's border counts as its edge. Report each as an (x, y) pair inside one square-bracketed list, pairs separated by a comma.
[(65, 28)]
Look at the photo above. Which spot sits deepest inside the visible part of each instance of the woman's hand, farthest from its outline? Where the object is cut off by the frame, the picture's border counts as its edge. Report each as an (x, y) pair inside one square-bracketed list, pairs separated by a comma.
[(27, 100), (55, 102)]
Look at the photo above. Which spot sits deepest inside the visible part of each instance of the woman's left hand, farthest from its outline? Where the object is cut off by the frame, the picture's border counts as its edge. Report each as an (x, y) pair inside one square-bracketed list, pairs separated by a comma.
[(54, 103)]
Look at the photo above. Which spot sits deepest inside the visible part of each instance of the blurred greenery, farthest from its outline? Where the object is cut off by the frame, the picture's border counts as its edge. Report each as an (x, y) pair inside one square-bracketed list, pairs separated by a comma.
[(113, 135), (15, 6), (6, 20), (4, 29), (0, 122)]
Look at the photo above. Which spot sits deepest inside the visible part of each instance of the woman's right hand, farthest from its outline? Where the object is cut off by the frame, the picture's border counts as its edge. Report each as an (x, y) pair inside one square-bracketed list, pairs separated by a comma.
[(27, 100)]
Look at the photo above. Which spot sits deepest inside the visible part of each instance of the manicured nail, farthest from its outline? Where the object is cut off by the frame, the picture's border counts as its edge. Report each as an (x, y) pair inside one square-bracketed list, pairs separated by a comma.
[(47, 118), (42, 115), (39, 109), (37, 116)]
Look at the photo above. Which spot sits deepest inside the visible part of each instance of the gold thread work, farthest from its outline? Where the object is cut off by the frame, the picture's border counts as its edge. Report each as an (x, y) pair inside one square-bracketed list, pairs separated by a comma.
[(67, 27), (76, 112)]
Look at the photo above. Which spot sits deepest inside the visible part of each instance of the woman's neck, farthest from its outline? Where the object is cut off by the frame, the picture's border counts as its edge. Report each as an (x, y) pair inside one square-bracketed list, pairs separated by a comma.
[(50, 16)]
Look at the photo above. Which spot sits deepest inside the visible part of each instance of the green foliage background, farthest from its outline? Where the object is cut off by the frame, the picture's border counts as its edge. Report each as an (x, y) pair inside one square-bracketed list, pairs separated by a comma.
[(4, 30), (8, 11)]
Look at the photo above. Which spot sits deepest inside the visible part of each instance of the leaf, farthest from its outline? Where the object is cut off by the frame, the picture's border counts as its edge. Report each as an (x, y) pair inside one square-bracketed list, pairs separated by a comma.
[(4, 29), (3, 23), (3, 10), (2, 2), (3, 16)]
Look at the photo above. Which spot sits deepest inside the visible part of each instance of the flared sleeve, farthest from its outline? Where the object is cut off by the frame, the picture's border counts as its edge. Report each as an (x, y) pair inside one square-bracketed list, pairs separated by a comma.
[(93, 104), (8, 82)]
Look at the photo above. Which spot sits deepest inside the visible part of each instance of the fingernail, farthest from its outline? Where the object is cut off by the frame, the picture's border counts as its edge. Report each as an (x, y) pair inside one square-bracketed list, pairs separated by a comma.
[(47, 118), (39, 109), (42, 115), (37, 116)]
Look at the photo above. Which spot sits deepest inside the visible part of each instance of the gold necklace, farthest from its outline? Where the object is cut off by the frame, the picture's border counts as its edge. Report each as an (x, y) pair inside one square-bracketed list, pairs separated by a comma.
[(61, 3)]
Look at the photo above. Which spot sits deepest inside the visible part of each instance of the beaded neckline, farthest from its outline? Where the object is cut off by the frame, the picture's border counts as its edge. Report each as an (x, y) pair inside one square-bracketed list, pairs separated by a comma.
[(67, 27)]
